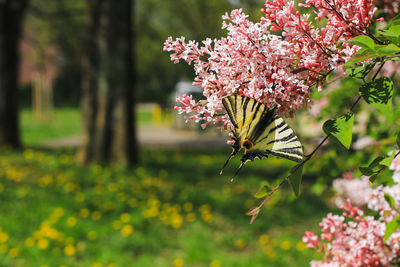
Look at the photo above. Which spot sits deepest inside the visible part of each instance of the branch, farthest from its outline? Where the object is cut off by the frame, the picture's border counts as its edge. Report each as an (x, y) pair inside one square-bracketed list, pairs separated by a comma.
[(308, 157)]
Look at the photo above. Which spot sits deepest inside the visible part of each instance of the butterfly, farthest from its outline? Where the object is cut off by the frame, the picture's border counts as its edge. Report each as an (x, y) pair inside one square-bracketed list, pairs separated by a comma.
[(259, 131)]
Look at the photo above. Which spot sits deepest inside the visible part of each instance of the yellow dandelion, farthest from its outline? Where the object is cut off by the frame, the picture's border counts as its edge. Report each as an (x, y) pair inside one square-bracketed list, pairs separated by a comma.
[(116, 225), (59, 212), (176, 221), (215, 263), (22, 191), (112, 187), (207, 217), (108, 206), (269, 251), (141, 171), (188, 207), (14, 252), (178, 262), (79, 197), (285, 245), (96, 215), (84, 213), (125, 217), (29, 242), (69, 250), (3, 237), (127, 230), (205, 208), (92, 235), (240, 243), (300, 246), (45, 180), (263, 239), (43, 243), (71, 221), (81, 246), (132, 202), (28, 154), (98, 189), (121, 197), (191, 217)]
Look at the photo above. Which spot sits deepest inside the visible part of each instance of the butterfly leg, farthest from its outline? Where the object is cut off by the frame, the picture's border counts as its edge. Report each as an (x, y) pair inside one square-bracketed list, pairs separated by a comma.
[(235, 150)]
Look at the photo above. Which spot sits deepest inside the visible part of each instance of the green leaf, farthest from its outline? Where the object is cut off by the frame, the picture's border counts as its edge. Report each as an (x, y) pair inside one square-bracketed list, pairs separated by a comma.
[(295, 178), (391, 227), (391, 33), (359, 71), (263, 191), (395, 29), (398, 139), (377, 162), (389, 199), (340, 129), (388, 160), (362, 41), (372, 178), (379, 94), (388, 50), (361, 55), (366, 171)]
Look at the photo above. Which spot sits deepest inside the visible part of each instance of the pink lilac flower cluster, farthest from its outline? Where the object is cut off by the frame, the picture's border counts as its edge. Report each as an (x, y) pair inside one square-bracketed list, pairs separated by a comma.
[(274, 69), (355, 239), (357, 190)]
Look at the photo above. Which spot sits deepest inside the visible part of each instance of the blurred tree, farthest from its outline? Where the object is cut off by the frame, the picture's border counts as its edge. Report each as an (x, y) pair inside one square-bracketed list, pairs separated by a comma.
[(108, 80), (11, 16), (59, 26)]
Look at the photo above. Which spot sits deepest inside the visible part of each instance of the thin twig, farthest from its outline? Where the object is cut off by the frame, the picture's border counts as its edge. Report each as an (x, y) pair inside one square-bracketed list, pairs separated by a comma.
[(307, 158)]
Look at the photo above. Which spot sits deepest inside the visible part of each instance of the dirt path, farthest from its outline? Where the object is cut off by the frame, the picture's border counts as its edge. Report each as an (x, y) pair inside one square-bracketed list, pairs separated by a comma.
[(154, 136)]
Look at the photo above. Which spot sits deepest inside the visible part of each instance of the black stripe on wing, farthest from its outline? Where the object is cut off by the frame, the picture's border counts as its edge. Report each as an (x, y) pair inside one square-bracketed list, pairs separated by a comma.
[(287, 139), (229, 103), (267, 118), (295, 157), (257, 106)]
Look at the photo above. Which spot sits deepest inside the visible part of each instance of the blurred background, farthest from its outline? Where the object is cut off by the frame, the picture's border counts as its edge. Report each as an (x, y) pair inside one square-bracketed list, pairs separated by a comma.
[(96, 168)]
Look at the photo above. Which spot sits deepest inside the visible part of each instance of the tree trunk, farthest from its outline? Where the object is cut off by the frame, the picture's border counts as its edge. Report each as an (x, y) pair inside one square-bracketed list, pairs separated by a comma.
[(11, 16), (109, 132)]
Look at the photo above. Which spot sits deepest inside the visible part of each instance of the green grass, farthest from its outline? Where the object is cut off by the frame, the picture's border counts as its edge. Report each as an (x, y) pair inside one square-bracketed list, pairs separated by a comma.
[(65, 122), (174, 208)]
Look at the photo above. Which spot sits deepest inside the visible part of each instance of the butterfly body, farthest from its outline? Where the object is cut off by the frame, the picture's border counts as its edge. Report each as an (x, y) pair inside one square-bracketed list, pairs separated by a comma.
[(259, 131)]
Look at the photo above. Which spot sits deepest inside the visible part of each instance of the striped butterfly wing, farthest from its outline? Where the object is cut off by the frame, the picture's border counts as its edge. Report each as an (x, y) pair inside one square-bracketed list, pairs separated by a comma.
[(244, 113), (259, 131), (275, 138)]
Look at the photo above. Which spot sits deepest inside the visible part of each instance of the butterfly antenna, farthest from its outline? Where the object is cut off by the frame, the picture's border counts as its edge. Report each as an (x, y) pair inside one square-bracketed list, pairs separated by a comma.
[(226, 163), (237, 171)]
